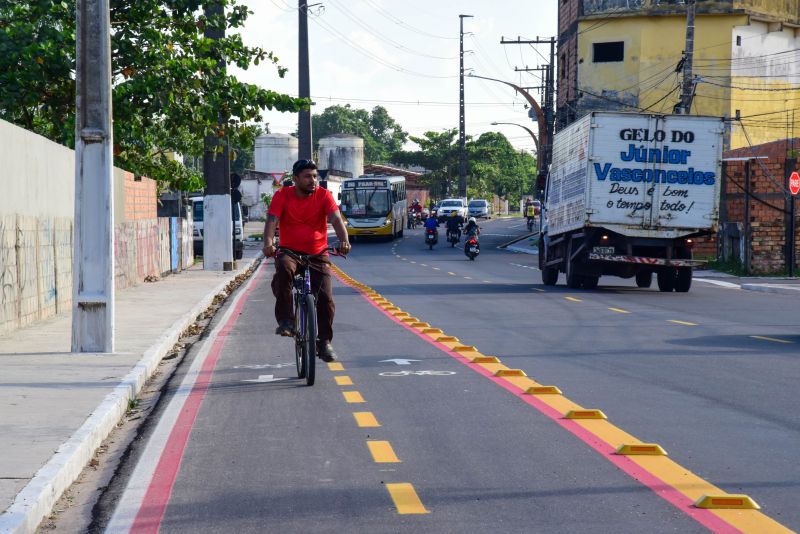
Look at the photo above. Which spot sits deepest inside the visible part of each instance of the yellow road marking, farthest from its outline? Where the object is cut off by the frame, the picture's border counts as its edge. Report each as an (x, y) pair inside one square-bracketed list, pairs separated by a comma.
[(467, 278), (424, 264), (382, 452), (436, 268), (353, 397), (776, 340), (405, 499), (537, 289), (487, 281), (662, 467), (413, 262), (366, 420), (687, 323), (343, 380), (573, 299), (451, 274), (335, 366)]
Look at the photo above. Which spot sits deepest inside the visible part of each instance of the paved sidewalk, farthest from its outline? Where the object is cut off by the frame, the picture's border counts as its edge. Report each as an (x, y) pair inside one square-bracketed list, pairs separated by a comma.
[(57, 407)]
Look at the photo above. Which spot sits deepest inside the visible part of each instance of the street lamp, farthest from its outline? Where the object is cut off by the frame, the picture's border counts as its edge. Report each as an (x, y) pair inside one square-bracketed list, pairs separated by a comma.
[(535, 139), (544, 158)]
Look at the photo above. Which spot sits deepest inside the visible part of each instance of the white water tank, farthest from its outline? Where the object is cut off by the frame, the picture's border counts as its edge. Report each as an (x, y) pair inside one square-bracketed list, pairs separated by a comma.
[(342, 152), (275, 153)]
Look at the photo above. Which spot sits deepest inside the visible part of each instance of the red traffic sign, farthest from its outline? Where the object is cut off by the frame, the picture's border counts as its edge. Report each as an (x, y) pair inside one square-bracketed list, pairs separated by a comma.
[(794, 183)]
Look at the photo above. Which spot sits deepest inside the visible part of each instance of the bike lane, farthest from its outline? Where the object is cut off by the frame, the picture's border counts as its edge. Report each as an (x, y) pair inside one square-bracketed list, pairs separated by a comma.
[(451, 452)]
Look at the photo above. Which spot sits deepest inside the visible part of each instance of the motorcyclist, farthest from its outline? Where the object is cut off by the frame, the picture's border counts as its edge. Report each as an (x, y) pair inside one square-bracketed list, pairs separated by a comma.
[(454, 223), (530, 209), (416, 207), (431, 223), (471, 230)]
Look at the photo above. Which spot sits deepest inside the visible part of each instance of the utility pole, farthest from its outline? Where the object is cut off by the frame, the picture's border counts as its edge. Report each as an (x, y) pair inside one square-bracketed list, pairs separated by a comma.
[(93, 252), (304, 145), (462, 124), (789, 166), (217, 210), (545, 155), (687, 90)]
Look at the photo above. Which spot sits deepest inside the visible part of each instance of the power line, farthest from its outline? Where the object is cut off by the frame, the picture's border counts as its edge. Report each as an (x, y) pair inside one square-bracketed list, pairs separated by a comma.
[(366, 27), (400, 22)]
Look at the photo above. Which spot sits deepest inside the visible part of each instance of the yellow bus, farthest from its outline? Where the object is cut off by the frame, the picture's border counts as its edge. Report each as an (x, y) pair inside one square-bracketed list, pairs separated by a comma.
[(374, 205)]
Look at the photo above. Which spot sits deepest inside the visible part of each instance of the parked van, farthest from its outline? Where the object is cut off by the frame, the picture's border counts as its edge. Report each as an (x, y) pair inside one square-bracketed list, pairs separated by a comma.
[(238, 228)]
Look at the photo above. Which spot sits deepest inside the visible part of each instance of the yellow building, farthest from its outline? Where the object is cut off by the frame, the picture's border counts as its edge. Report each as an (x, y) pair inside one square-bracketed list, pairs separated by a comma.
[(625, 55)]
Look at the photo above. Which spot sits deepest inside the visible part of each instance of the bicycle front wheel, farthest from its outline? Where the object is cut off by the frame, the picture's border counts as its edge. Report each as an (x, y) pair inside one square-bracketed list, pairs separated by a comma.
[(298, 339), (310, 339)]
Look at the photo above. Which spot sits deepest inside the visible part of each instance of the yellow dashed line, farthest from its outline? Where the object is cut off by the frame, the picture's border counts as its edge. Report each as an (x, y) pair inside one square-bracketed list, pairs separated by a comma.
[(335, 366), (467, 278), (343, 380), (618, 310), (451, 274), (487, 281), (436, 268), (412, 262), (573, 299), (366, 420), (538, 289), (405, 499), (353, 397), (424, 264), (687, 323), (382, 452), (776, 340)]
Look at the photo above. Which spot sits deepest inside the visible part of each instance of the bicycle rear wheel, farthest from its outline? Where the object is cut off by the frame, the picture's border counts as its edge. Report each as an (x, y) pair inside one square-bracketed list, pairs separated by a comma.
[(298, 340), (310, 339)]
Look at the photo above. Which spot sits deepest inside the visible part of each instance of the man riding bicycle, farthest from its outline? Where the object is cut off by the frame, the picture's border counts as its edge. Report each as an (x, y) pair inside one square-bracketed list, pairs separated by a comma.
[(303, 211)]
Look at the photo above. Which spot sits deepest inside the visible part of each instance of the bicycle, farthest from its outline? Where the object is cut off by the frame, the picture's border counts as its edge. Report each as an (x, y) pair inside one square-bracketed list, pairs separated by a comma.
[(305, 315)]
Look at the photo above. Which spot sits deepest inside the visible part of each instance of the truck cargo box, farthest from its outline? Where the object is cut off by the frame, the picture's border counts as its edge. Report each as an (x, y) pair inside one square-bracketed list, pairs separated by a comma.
[(636, 174)]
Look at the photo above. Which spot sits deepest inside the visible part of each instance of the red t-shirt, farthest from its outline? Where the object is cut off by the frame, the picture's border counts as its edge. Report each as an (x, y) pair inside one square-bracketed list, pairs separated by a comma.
[(303, 221)]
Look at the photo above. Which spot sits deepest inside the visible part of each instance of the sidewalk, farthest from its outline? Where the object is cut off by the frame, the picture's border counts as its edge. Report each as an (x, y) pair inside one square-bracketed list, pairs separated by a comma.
[(57, 407)]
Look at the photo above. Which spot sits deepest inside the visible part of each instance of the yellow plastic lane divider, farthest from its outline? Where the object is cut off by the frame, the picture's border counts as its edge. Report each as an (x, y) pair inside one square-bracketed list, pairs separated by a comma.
[(712, 506)]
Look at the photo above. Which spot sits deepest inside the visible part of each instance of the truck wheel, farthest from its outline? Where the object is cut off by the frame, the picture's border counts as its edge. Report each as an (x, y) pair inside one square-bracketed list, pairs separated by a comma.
[(666, 280), (590, 282), (574, 280), (644, 279), (683, 279), (549, 276)]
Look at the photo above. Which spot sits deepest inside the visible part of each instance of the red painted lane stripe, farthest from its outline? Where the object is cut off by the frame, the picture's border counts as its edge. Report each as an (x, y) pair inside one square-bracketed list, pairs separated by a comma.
[(705, 517), (154, 504)]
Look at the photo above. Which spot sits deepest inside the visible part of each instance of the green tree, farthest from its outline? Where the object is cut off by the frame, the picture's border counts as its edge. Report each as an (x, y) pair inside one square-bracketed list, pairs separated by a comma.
[(438, 152), (382, 135), (167, 92)]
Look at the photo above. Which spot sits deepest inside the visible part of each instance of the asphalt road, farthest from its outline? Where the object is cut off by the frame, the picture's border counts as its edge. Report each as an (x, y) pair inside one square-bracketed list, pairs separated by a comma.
[(454, 452)]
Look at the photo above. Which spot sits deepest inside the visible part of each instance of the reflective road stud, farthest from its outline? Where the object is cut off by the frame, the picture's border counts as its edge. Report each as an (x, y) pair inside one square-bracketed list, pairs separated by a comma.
[(585, 414), (510, 372), (732, 500), (641, 449), (543, 390)]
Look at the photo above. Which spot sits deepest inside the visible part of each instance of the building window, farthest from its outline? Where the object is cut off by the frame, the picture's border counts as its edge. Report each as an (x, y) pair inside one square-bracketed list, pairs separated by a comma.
[(608, 52), (738, 40)]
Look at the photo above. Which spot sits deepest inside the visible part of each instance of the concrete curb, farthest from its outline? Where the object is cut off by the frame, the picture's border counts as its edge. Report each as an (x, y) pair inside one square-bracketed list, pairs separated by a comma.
[(781, 289), (37, 498), (522, 250)]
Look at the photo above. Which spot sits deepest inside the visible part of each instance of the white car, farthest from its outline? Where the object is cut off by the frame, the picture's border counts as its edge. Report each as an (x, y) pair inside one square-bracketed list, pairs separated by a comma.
[(449, 205)]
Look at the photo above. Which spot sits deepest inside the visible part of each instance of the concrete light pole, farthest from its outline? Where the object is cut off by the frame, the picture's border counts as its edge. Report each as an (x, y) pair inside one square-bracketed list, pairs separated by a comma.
[(93, 250), (304, 141), (462, 124)]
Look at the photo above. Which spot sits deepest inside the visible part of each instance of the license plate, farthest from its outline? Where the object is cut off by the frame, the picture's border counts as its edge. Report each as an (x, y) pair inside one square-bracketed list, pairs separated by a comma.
[(473, 249), (603, 250)]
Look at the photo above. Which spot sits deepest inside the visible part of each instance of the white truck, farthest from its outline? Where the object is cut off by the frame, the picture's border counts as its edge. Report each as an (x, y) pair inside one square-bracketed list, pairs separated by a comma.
[(627, 195)]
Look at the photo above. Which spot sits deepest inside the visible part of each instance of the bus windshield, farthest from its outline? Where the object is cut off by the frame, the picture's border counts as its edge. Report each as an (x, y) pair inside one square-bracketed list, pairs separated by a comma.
[(365, 203)]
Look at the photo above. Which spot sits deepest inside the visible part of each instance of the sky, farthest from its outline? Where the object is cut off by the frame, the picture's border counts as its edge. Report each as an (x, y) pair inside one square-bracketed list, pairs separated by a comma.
[(403, 55)]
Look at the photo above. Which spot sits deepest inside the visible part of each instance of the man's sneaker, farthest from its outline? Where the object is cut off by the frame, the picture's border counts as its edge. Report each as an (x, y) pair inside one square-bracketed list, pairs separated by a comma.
[(325, 351), (285, 328)]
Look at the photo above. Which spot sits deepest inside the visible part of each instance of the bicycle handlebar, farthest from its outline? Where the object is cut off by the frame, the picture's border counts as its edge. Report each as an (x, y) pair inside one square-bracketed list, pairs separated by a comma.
[(304, 258)]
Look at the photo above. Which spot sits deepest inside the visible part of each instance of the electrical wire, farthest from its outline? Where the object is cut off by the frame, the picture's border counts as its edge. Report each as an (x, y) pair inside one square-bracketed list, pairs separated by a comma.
[(400, 22)]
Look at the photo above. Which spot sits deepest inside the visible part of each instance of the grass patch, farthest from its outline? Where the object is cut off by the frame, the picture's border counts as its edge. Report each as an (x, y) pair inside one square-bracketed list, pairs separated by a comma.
[(736, 268)]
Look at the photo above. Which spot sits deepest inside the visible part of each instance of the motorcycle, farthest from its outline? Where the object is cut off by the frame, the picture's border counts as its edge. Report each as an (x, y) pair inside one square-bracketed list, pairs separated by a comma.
[(530, 224), (452, 238), (431, 238), (472, 248), (413, 219)]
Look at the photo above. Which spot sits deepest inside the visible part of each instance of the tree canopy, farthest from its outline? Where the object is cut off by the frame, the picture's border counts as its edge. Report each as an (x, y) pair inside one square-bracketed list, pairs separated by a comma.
[(494, 167), (382, 135), (167, 91)]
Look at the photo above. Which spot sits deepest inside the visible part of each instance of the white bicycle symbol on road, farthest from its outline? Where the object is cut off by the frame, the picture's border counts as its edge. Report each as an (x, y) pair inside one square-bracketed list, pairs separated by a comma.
[(418, 373)]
